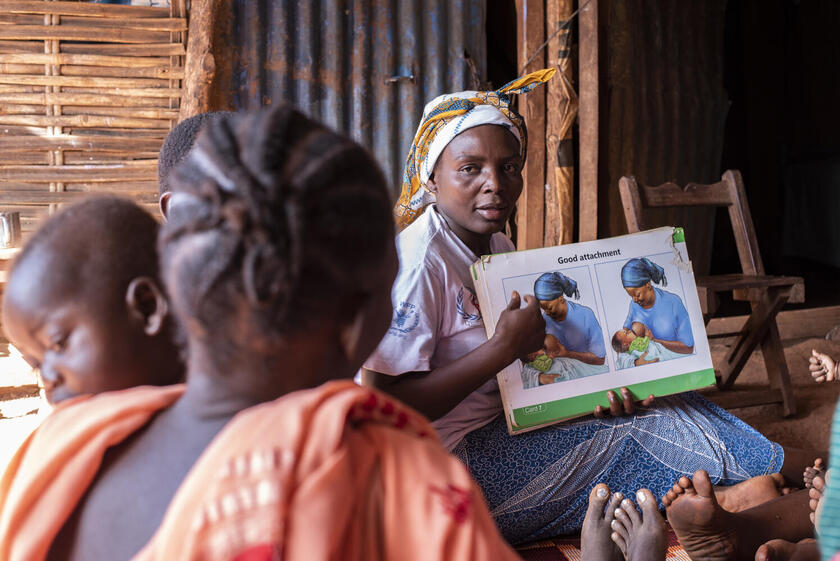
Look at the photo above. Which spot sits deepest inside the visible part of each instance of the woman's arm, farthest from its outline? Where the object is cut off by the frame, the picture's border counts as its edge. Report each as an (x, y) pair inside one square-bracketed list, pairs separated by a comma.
[(435, 393), (587, 358)]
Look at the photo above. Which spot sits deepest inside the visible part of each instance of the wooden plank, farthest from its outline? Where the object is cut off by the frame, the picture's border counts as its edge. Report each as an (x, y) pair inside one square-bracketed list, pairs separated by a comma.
[(82, 121), (721, 283), (146, 24), (72, 98), (159, 72), (588, 119), (81, 9), (151, 49), (530, 215), (137, 92), (84, 60), (561, 111), (693, 194), (130, 112), (59, 197), (80, 142), (793, 324), (21, 47), (87, 174), (81, 33), (82, 81)]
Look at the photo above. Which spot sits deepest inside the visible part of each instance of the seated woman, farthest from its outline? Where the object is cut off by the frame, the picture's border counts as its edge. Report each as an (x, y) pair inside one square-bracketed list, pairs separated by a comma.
[(279, 260), (462, 179), (662, 312)]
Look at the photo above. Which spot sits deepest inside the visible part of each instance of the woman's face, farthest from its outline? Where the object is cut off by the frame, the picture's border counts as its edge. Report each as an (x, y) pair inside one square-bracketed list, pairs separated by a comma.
[(642, 295), (477, 180), (555, 309)]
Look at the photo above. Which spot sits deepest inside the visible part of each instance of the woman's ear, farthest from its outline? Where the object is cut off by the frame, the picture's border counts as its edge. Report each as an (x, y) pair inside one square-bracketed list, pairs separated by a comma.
[(147, 304), (431, 184)]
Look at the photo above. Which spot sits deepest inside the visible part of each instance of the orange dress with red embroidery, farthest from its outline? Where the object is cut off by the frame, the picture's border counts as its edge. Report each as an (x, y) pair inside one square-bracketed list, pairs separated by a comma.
[(335, 472)]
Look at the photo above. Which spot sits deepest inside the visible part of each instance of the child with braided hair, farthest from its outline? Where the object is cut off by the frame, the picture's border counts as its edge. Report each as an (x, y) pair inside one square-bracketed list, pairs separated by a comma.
[(279, 261)]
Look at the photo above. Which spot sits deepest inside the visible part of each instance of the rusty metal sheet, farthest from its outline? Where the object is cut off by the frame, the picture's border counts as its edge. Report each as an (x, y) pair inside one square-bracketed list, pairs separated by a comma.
[(365, 67)]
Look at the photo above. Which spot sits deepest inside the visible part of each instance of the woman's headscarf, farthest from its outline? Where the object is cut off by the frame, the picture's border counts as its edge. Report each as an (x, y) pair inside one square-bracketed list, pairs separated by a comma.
[(444, 118), (640, 271), (550, 286)]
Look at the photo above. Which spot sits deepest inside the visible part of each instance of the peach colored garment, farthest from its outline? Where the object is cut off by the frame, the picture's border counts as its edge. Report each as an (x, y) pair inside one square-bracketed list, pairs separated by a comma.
[(336, 472), (54, 466)]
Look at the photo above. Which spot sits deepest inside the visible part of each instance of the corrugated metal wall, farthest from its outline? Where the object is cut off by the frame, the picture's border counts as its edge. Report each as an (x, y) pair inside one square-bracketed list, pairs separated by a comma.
[(365, 67), (663, 107)]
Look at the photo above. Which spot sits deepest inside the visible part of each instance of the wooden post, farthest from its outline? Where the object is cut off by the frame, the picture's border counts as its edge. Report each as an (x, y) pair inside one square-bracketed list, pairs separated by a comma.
[(561, 110), (589, 83), (530, 214), (200, 66), (177, 9)]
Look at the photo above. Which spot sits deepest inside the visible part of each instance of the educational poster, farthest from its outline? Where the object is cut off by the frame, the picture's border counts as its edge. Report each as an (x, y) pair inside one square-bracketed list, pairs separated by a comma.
[(574, 342), (619, 312), (644, 305)]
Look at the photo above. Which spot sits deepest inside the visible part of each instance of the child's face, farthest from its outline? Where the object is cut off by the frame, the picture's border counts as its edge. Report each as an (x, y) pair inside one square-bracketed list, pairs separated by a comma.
[(477, 180), (625, 336), (79, 345), (638, 328)]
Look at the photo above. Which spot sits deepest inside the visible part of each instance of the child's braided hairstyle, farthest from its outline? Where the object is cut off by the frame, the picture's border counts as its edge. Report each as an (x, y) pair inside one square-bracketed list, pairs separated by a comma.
[(279, 209)]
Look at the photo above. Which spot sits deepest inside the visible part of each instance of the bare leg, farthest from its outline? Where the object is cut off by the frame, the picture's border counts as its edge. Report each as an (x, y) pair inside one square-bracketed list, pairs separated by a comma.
[(818, 469), (640, 537), (707, 532), (780, 550), (595, 542)]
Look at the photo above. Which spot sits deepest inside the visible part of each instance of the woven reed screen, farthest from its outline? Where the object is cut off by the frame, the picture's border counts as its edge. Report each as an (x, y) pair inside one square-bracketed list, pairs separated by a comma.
[(87, 94)]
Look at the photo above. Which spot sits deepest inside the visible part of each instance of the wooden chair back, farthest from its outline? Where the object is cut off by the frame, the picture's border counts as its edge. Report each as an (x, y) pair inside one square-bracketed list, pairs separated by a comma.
[(728, 192)]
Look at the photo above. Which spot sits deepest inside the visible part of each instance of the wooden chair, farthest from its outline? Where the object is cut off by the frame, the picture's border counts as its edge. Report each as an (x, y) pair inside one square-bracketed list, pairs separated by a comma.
[(766, 294)]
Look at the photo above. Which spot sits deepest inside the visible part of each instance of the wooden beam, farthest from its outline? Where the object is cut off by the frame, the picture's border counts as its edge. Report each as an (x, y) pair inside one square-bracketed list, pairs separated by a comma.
[(530, 215), (793, 324), (588, 119), (200, 64), (561, 111)]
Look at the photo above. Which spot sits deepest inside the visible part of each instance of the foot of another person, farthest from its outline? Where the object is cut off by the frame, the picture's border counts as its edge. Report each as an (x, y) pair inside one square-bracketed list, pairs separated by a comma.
[(595, 541), (817, 470), (704, 529), (781, 550), (750, 493), (640, 537), (741, 496), (815, 496)]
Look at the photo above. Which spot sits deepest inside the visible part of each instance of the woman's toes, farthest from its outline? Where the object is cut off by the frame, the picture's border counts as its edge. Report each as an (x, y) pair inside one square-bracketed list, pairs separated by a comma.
[(598, 497), (615, 500), (646, 502), (619, 541), (629, 507), (620, 528)]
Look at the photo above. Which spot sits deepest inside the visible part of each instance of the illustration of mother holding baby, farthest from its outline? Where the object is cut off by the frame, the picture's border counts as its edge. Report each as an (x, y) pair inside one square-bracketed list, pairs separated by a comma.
[(661, 312)]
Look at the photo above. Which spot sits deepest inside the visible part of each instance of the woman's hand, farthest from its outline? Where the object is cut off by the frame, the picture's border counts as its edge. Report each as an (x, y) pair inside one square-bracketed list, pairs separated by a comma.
[(520, 330), (822, 367), (624, 406), (641, 360)]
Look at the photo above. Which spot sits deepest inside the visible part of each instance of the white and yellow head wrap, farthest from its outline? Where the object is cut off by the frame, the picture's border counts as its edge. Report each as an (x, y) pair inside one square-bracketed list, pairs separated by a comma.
[(444, 118)]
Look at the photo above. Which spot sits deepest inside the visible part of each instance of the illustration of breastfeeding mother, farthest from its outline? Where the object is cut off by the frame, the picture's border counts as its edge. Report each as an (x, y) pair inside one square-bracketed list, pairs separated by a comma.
[(662, 313), (574, 342)]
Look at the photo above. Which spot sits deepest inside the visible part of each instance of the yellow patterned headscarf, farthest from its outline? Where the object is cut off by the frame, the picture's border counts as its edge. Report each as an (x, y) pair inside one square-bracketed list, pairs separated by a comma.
[(444, 118)]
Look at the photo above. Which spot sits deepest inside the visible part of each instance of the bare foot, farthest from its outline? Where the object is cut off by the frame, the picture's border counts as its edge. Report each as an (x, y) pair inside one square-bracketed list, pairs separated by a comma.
[(704, 529), (640, 537), (741, 496), (750, 493), (815, 495), (818, 469), (781, 550), (595, 542)]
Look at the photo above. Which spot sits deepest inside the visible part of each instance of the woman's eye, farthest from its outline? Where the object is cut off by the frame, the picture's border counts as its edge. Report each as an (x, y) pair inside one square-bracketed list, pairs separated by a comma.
[(511, 168), (58, 344), (470, 169)]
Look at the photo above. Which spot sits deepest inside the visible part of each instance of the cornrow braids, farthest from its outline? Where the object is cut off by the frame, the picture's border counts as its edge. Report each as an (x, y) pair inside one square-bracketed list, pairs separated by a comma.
[(278, 209)]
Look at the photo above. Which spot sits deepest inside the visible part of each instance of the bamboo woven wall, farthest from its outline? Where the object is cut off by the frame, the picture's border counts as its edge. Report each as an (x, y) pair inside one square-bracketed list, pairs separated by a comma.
[(88, 92)]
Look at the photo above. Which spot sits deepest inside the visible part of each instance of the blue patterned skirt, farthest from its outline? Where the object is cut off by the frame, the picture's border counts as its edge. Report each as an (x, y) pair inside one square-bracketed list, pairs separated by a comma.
[(537, 484)]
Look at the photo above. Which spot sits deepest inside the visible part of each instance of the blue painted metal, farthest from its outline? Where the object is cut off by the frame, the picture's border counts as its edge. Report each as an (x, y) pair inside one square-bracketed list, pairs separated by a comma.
[(365, 67)]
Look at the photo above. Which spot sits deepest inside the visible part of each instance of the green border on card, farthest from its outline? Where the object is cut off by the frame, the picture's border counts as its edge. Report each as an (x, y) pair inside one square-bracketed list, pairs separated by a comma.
[(542, 413), (679, 235)]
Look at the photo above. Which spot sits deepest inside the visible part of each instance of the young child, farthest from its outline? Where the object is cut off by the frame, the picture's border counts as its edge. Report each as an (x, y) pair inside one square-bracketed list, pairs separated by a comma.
[(84, 303), (635, 346), (175, 148)]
